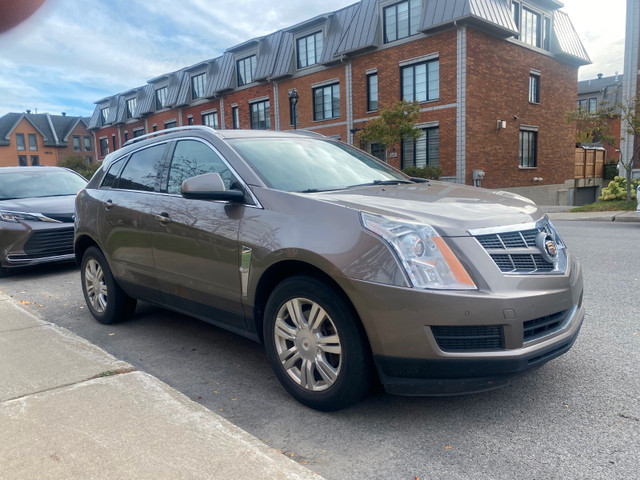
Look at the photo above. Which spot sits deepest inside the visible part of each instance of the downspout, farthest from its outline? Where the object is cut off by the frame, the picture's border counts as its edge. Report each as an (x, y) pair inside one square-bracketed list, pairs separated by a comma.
[(461, 111), (348, 96)]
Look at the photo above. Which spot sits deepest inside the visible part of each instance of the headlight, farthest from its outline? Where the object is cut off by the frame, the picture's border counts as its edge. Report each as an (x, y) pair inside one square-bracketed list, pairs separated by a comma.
[(16, 217), (426, 258)]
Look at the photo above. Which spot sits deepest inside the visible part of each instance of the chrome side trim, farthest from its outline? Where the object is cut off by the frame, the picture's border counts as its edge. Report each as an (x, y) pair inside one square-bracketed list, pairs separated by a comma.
[(245, 267)]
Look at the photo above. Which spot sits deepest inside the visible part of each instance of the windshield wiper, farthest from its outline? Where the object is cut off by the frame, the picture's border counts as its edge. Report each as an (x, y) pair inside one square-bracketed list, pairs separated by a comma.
[(380, 182)]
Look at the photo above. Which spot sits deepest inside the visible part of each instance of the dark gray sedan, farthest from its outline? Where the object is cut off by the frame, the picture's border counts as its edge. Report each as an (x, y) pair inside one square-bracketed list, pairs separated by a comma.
[(36, 215)]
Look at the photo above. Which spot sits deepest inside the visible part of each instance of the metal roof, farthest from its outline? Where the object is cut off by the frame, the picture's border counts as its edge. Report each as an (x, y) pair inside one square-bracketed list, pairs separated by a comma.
[(568, 42), (337, 26), (284, 60), (594, 85), (224, 78), (493, 14), (144, 100), (363, 29), (268, 48)]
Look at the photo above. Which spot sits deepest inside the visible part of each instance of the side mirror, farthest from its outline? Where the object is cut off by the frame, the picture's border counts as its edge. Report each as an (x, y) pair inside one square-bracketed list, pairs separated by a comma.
[(209, 186)]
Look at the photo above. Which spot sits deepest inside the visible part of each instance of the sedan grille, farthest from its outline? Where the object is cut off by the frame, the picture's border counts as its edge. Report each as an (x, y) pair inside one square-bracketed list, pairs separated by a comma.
[(472, 338), (50, 243)]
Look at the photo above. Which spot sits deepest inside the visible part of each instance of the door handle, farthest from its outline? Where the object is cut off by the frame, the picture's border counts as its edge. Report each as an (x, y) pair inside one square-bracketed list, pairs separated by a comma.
[(164, 218), (108, 205)]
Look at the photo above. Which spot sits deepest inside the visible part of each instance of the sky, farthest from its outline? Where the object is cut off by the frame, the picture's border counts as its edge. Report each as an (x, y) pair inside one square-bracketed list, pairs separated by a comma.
[(72, 53)]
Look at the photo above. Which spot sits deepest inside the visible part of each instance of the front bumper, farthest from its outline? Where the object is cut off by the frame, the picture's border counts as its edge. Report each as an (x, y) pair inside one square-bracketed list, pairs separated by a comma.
[(533, 319), (453, 376), (32, 243)]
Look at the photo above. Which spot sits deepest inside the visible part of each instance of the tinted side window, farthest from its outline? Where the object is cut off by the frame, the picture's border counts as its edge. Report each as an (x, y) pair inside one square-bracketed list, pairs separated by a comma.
[(141, 171), (192, 158), (110, 177)]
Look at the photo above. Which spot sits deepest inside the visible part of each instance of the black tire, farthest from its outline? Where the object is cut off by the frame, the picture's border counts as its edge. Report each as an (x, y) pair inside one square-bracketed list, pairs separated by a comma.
[(328, 364), (107, 302)]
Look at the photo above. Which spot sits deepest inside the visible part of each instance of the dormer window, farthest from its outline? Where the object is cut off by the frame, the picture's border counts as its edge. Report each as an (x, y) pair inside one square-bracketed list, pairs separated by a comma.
[(309, 49), (131, 107), (197, 86), (246, 68), (534, 27), (161, 98), (104, 115), (401, 20)]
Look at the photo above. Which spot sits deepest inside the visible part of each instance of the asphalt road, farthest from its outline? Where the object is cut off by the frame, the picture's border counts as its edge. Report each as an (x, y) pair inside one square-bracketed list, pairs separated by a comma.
[(578, 417)]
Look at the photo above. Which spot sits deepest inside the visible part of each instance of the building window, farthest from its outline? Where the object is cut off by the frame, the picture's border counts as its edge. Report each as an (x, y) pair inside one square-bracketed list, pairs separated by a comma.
[(113, 142), (236, 117), (260, 115), (546, 33), (104, 115), (531, 27), (171, 124), (421, 81), (528, 148), (126, 136), (197, 86), (20, 141), (138, 133), (131, 107), (423, 151), (401, 20), (379, 151), (210, 120), (515, 11), (87, 144), (534, 88), (190, 120), (22, 160), (246, 68), (161, 98), (35, 160), (309, 49), (33, 142), (326, 102), (76, 144), (372, 92), (104, 147), (588, 104), (155, 127)]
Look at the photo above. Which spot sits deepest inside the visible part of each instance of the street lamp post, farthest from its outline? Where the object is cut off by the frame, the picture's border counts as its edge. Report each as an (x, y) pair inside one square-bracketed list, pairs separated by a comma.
[(293, 102)]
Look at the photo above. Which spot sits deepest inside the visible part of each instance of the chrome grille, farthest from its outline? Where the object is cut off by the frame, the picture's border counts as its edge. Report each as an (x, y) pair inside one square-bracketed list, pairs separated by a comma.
[(515, 251)]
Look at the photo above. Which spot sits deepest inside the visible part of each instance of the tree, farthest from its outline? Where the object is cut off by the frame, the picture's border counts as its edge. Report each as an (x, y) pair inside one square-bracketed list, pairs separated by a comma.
[(78, 164), (395, 123), (596, 127)]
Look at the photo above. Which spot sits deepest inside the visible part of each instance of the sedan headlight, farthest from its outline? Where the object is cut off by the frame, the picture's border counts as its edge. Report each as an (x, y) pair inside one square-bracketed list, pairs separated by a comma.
[(16, 217), (426, 258)]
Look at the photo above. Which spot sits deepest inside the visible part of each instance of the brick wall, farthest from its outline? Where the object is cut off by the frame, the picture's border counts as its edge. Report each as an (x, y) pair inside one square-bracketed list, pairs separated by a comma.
[(498, 89), (242, 98), (79, 131), (9, 155)]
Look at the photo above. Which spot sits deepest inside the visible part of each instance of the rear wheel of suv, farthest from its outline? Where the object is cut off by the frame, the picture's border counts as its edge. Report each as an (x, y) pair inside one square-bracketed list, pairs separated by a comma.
[(107, 302), (315, 345)]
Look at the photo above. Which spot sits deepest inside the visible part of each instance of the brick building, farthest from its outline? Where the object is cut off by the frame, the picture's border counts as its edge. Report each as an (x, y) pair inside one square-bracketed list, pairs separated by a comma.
[(494, 79), (43, 139)]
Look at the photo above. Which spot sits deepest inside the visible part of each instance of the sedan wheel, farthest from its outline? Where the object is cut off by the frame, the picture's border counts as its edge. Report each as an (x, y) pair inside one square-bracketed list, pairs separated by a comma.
[(316, 344), (107, 302)]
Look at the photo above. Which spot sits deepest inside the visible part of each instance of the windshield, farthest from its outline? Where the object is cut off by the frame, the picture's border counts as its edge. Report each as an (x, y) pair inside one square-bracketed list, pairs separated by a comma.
[(310, 165), (39, 183)]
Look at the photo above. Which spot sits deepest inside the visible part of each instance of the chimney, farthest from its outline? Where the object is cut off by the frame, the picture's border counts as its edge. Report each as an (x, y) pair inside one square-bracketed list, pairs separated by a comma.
[(616, 76), (28, 112), (64, 114), (599, 76)]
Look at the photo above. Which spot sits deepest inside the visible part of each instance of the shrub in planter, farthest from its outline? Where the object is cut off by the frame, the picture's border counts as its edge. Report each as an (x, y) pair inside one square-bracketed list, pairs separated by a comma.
[(617, 190), (427, 171)]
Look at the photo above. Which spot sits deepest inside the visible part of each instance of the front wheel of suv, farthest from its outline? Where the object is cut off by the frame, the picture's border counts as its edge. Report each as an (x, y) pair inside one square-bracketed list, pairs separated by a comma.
[(315, 345), (107, 302)]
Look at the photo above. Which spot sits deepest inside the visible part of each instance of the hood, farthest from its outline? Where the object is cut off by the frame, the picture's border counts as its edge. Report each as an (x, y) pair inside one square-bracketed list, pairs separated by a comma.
[(59, 207), (450, 208)]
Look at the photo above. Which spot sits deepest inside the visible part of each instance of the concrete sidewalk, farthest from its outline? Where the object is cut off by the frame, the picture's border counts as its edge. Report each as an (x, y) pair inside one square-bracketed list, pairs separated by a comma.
[(69, 410), (614, 216)]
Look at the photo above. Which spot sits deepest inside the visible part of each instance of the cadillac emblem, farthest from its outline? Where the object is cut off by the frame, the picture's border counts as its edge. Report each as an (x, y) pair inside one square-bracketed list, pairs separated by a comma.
[(547, 246)]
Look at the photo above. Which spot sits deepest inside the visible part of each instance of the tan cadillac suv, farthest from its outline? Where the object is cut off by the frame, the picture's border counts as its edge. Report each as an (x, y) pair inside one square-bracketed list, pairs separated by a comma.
[(348, 271)]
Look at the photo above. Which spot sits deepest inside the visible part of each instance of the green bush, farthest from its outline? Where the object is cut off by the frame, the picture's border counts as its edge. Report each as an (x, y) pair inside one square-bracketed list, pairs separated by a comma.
[(427, 171), (78, 164), (617, 190), (610, 170)]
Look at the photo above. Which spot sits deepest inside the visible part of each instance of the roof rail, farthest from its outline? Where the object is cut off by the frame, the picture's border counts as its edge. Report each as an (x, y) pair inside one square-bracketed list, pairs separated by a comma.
[(168, 130)]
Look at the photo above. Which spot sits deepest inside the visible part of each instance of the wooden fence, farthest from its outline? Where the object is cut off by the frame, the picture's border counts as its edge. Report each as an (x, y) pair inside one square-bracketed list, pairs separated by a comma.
[(589, 163)]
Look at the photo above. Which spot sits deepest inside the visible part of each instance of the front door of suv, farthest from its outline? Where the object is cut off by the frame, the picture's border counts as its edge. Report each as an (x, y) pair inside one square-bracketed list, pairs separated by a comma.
[(196, 250)]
